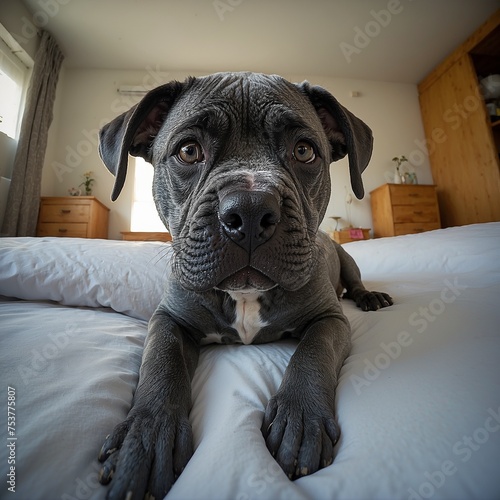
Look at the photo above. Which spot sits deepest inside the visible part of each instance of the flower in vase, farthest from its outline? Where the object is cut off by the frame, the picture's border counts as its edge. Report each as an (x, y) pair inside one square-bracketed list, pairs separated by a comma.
[(87, 183)]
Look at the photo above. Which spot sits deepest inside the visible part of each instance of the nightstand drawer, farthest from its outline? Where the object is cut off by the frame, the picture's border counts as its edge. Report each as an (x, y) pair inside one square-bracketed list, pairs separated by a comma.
[(412, 194), (415, 228), (415, 213), (64, 213), (75, 230)]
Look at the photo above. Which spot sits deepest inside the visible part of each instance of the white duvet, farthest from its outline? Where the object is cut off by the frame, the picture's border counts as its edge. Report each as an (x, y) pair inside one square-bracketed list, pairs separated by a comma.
[(418, 400)]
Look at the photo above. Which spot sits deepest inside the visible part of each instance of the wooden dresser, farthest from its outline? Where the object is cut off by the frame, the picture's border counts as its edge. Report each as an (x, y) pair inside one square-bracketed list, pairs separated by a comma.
[(73, 216), (404, 209)]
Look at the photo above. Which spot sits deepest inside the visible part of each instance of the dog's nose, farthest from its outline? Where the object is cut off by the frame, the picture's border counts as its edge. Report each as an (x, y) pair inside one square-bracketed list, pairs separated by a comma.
[(249, 218)]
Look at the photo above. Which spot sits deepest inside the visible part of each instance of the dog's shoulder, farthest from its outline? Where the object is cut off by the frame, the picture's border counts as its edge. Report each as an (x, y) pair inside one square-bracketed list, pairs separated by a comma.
[(328, 253), (326, 246)]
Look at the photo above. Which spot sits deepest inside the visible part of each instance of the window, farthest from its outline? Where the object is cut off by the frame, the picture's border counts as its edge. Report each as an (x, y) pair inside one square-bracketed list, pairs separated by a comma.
[(144, 215), (13, 81)]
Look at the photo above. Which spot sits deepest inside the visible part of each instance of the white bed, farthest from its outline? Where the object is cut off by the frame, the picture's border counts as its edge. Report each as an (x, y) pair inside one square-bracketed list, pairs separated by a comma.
[(418, 400)]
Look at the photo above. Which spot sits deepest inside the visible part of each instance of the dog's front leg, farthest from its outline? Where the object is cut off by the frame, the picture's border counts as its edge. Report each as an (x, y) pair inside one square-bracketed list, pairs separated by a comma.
[(299, 424), (147, 451)]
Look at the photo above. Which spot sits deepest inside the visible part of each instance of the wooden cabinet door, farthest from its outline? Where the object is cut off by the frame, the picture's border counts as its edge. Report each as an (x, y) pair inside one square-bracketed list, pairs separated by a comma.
[(462, 153)]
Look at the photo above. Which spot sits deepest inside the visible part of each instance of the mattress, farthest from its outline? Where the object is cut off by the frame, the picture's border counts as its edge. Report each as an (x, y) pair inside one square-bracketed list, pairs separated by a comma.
[(418, 400)]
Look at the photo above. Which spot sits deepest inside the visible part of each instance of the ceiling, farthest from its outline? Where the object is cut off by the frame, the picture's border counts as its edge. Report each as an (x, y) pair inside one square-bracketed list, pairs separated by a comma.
[(384, 40)]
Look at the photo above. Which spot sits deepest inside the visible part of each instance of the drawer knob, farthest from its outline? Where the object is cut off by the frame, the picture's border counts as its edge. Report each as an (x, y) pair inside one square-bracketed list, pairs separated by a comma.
[(413, 195), (62, 230), (65, 211), (418, 212)]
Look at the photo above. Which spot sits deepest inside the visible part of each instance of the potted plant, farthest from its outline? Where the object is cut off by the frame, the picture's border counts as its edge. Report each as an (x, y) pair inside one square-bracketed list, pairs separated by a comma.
[(87, 183), (398, 175)]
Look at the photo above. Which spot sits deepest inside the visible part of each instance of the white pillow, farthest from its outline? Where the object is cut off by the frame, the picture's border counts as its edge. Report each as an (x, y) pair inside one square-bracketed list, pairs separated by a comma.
[(126, 276), (465, 249)]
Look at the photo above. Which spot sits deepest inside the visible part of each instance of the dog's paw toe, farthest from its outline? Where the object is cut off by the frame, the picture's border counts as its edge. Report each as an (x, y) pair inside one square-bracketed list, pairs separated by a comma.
[(113, 442), (108, 469), (373, 301)]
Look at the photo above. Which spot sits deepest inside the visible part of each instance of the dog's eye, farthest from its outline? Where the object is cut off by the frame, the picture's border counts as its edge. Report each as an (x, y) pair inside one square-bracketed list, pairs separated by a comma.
[(190, 152), (304, 152)]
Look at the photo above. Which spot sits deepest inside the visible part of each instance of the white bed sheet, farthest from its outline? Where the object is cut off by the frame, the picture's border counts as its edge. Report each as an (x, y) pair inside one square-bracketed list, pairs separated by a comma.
[(418, 400)]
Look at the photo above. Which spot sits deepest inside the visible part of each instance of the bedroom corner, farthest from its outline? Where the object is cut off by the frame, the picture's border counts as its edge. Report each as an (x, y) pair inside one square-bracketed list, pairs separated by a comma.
[(320, 321)]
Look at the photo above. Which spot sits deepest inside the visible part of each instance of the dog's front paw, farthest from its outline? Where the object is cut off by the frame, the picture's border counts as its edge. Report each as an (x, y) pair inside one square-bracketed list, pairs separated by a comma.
[(372, 301), (300, 434), (145, 454)]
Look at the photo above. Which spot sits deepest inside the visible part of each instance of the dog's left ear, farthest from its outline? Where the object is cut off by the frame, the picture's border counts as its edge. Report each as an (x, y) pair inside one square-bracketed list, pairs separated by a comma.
[(347, 133), (134, 131)]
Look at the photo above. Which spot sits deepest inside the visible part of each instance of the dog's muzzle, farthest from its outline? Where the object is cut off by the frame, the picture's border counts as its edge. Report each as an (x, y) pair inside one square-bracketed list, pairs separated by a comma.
[(249, 219)]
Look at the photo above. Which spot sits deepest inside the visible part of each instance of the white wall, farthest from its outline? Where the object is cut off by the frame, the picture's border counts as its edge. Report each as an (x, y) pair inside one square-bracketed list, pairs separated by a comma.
[(87, 99), (20, 24)]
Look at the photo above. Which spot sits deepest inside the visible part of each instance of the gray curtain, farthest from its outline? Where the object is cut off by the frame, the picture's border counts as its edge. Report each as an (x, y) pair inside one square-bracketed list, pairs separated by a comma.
[(23, 201)]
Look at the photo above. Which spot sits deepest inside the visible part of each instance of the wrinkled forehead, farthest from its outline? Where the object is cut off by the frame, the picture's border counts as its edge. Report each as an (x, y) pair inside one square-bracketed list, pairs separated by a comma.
[(247, 98)]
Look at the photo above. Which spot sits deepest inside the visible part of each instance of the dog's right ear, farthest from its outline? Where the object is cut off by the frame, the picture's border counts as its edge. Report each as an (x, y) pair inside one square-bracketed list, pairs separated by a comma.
[(135, 130)]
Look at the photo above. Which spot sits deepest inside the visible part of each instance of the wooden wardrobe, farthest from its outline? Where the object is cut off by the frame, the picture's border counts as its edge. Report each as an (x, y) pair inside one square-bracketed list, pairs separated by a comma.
[(462, 141)]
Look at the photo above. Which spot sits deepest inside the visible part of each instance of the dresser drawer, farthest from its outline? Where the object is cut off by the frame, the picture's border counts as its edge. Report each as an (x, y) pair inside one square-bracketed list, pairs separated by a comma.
[(74, 230), (415, 213), (412, 195), (414, 228), (73, 216), (64, 213)]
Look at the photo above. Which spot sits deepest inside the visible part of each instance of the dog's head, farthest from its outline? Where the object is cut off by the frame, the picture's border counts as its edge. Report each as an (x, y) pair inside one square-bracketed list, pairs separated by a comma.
[(241, 173)]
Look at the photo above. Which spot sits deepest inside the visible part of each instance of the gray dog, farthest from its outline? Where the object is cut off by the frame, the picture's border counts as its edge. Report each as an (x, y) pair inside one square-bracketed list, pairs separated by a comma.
[(241, 181)]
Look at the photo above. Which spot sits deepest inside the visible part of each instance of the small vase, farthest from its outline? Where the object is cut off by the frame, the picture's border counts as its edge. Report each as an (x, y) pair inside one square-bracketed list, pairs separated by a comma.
[(397, 177)]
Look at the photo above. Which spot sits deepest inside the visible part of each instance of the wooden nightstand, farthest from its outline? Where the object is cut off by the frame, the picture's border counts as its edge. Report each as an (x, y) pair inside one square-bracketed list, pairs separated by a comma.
[(350, 234), (404, 209), (73, 216), (146, 236)]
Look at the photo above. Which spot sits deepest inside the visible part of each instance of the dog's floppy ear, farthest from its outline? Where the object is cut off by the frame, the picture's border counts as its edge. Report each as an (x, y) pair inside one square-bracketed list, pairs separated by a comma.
[(134, 131), (347, 133)]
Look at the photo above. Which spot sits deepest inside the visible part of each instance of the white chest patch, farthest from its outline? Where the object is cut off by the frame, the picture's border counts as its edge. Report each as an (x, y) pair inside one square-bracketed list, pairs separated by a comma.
[(248, 322)]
